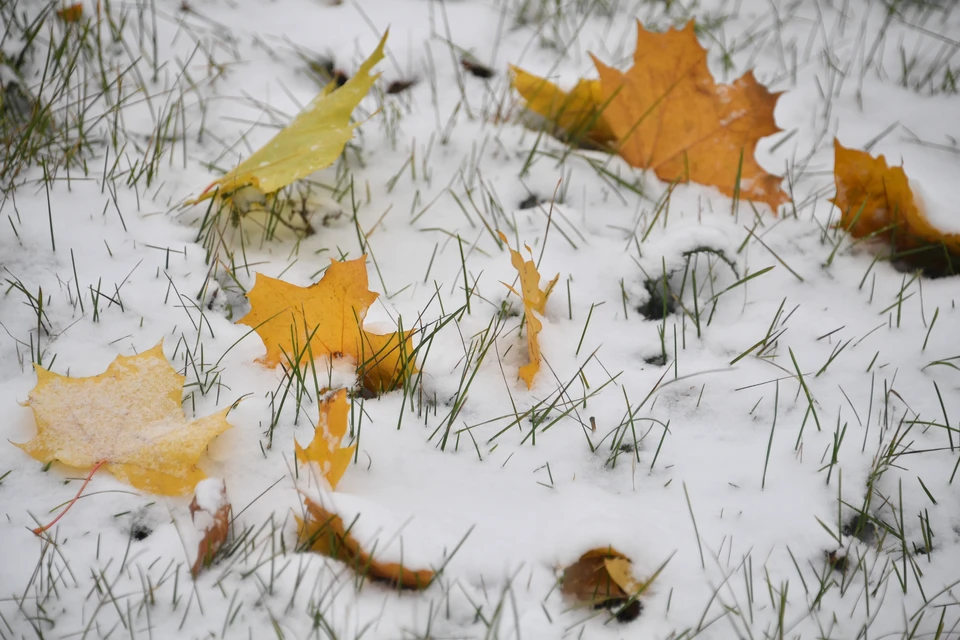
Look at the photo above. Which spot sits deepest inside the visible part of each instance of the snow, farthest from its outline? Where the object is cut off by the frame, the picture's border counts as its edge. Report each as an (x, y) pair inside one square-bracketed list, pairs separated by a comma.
[(656, 436)]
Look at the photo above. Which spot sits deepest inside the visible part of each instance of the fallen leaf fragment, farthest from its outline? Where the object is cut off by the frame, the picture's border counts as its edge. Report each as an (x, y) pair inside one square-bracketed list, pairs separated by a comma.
[(578, 113), (129, 416), (534, 300), (325, 449), (296, 323), (210, 497), (313, 141), (669, 115), (323, 532), (602, 578), (876, 201), (71, 13)]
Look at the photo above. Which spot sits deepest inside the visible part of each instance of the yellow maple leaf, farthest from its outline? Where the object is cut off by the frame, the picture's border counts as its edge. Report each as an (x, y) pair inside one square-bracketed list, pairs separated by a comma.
[(129, 416), (313, 141), (578, 113), (534, 300), (325, 448), (876, 201), (328, 315), (323, 532), (668, 114)]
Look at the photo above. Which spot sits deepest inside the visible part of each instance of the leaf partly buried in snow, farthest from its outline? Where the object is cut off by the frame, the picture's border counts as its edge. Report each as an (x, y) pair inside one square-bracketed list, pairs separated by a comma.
[(534, 304), (211, 499), (604, 578), (313, 141), (669, 115), (578, 113), (328, 315), (323, 532), (130, 416), (876, 201), (325, 449)]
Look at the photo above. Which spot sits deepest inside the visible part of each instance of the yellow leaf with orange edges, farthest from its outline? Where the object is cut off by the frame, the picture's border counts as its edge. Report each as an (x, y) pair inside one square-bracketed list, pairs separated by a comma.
[(313, 141), (876, 201), (325, 448), (296, 323), (323, 532), (534, 302), (578, 113), (130, 416), (669, 115)]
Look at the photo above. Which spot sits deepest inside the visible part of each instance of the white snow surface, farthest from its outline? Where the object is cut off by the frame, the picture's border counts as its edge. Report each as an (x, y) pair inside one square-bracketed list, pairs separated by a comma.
[(737, 474)]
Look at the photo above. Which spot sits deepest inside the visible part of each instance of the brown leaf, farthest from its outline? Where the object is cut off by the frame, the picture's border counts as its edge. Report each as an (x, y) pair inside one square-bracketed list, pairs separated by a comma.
[(876, 201), (323, 532), (216, 533), (71, 13)]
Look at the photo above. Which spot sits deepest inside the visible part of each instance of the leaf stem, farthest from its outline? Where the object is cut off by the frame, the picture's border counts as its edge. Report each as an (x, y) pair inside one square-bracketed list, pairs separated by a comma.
[(86, 481)]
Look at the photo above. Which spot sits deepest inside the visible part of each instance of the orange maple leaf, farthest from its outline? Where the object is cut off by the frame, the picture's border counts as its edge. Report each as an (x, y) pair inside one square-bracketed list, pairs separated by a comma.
[(876, 201), (325, 448), (129, 416), (323, 532), (534, 300), (669, 115), (578, 113), (296, 323)]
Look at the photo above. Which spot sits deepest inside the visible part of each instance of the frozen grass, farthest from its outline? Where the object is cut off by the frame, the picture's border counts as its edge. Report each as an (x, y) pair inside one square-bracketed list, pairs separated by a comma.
[(759, 410)]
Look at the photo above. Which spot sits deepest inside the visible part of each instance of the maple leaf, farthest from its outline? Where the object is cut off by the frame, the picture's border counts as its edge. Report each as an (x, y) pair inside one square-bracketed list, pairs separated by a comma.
[(578, 113), (876, 201), (323, 532), (327, 318), (128, 418), (313, 141), (534, 300), (668, 114), (325, 448), (211, 499)]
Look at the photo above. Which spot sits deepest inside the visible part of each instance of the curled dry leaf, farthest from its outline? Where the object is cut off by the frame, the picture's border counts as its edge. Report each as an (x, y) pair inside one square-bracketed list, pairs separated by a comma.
[(325, 448), (578, 113), (534, 303), (603, 578), (313, 141), (876, 201), (129, 416), (211, 499), (323, 532), (297, 323)]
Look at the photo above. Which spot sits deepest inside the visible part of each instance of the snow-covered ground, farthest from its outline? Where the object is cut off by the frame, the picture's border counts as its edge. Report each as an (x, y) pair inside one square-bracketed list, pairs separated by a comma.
[(749, 440)]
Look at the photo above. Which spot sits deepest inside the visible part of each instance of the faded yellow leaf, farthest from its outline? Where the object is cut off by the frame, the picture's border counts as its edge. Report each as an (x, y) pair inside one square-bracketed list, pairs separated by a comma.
[(130, 416)]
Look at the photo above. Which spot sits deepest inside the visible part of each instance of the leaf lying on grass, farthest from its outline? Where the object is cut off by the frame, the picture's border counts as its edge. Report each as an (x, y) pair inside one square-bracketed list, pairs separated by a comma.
[(313, 141), (534, 300), (210, 498), (666, 113), (325, 449), (578, 113), (296, 323), (129, 418), (876, 201), (323, 532), (604, 578)]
